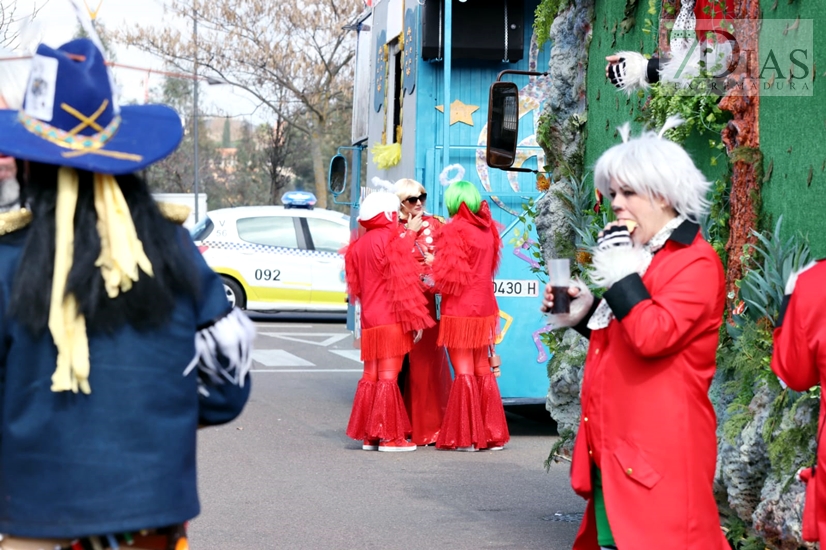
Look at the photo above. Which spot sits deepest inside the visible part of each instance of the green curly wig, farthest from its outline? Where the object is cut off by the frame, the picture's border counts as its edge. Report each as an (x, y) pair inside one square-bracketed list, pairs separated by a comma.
[(462, 192)]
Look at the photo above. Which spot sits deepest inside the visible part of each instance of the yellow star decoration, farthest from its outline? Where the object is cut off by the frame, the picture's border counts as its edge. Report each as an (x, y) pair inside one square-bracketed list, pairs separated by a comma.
[(460, 112)]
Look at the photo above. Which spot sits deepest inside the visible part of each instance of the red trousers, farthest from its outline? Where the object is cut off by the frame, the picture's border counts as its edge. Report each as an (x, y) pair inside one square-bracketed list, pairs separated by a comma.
[(427, 385)]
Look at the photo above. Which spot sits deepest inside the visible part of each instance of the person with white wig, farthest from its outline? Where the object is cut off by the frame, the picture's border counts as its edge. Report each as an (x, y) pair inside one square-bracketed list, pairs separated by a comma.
[(383, 277), (645, 452)]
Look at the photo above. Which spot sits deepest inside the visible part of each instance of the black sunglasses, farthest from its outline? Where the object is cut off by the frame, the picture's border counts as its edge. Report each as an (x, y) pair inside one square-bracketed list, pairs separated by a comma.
[(413, 200)]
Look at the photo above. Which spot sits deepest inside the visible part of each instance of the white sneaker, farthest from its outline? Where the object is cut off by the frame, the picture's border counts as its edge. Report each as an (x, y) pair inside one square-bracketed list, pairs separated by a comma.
[(470, 449), (396, 446)]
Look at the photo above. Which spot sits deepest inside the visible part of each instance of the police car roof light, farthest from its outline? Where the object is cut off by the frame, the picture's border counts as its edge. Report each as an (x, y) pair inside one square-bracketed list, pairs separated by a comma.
[(298, 199)]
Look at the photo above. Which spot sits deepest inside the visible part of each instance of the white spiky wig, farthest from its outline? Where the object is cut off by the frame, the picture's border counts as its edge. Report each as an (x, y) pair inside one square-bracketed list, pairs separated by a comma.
[(379, 202), (14, 75), (657, 168)]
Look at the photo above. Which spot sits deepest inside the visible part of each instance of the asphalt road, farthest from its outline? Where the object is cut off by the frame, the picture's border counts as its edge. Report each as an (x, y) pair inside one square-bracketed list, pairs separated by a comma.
[(284, 475)]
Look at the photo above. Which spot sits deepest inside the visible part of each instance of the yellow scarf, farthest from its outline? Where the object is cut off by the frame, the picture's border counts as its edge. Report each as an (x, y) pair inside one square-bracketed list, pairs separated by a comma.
[(121, 254)]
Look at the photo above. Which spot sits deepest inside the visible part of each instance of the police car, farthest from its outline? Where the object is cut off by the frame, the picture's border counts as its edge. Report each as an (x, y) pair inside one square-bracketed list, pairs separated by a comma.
[(274, 258), (298, 199)]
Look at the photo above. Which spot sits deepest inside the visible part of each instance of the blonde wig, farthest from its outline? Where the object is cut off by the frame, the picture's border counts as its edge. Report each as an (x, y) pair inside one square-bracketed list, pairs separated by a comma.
[(406, 188)]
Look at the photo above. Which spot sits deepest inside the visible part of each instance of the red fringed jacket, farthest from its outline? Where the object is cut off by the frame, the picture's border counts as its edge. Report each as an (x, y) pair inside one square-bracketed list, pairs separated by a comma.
[(463, 270), (383, 275)]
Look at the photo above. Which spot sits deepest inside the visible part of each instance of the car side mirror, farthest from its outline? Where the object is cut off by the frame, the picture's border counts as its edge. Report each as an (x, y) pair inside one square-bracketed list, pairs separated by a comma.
[(503, 125), (337, 177)]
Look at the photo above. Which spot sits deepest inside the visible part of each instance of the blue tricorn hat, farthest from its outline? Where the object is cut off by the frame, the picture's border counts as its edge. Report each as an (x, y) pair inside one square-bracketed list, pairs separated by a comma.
[(70, 118)]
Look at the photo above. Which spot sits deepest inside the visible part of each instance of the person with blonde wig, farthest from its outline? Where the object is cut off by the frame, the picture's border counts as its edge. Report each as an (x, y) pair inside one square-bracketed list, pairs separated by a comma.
[(646, 449), (426, 380)]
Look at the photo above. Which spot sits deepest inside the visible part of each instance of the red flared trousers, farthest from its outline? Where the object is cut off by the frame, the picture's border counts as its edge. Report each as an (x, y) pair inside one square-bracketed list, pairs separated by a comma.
[(475, 415)]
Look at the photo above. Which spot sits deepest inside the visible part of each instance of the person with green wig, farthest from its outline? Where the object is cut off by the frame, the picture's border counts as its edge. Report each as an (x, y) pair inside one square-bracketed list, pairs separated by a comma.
[(463, 269)]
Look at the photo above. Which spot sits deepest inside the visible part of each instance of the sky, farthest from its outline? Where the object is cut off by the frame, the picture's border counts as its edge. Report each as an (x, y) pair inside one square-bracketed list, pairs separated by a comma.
[(56, 24)]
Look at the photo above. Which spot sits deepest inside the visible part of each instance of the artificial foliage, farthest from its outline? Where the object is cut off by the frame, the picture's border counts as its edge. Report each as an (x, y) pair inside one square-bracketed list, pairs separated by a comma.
[(544, 16), (549, 136), (792, 448), (715, 225), (522, 239), (769, 264), (566, 438), (650, 25), (744, 363), (700, 111)]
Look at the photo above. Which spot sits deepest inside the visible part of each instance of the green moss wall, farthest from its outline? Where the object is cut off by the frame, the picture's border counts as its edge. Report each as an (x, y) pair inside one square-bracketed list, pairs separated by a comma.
[(609, 108), (793, 138)]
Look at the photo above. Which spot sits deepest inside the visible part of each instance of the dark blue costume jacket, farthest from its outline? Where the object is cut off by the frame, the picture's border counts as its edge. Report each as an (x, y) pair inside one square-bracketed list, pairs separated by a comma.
[(122, 458)]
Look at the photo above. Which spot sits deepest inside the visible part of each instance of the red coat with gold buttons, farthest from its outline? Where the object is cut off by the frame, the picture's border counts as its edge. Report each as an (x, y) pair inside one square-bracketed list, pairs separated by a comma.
[(647, 421), (424, 243)]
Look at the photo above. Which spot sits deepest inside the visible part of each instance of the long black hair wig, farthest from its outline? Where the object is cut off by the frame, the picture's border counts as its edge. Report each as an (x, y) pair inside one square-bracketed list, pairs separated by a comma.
[(151, 300)]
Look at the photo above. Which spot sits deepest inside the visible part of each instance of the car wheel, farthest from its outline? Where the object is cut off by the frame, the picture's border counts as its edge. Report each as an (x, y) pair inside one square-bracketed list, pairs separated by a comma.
[(235, 294)]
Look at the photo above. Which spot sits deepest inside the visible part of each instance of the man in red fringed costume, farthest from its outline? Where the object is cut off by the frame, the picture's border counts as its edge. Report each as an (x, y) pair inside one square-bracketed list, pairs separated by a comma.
[(384, 277), (427, 384), (463, 270)]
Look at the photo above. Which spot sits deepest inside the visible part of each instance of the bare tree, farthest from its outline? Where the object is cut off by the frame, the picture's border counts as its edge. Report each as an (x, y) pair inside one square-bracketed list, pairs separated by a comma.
[(11, 22), (277, 150), (7, 18), (266, 47), (175, 173)]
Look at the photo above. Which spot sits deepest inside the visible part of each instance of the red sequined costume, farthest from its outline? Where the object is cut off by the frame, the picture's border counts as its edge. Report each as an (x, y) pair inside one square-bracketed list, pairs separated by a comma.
[(384, 277), (463, 270), (427, 385)]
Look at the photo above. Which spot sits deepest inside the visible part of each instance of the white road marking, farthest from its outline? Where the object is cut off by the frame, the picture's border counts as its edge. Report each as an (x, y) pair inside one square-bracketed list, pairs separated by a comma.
[(328, 338), (264, 324), (307, 370), (279, 358), (352, 354)]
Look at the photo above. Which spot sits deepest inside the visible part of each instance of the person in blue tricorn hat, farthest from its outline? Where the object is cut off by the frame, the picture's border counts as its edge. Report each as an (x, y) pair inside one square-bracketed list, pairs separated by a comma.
[(116, 340)]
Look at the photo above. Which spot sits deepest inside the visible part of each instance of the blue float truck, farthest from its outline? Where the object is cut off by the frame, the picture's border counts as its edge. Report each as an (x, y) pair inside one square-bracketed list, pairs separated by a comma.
[(422, 98)]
